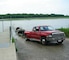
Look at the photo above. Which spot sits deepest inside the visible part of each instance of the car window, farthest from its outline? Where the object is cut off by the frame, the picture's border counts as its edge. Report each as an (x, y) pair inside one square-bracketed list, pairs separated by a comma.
[(41, 28), (35, 29), (46, 28)]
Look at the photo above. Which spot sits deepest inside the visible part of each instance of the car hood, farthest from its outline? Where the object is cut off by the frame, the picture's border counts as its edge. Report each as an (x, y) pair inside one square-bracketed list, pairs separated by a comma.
[(51, 32)]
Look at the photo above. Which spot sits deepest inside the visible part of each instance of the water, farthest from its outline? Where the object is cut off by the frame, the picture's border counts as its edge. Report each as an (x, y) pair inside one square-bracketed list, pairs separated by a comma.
[(28, 24), (4, 25)]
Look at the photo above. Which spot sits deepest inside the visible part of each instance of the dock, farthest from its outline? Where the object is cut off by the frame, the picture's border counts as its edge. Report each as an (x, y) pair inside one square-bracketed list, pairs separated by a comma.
[(7, 48)]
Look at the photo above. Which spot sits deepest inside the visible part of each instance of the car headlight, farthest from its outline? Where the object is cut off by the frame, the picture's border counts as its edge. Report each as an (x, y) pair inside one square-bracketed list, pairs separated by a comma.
[(49, 36)]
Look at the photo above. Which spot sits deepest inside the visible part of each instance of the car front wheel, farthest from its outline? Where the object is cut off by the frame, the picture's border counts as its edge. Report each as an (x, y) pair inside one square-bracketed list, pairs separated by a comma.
[(43, 40)]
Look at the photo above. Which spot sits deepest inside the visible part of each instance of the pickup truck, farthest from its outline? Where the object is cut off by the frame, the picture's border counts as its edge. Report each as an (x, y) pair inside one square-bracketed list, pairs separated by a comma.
[(45, 34)]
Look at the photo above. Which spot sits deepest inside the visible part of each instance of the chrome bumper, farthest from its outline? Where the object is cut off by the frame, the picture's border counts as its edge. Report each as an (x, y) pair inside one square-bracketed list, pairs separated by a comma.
[(54, 39)]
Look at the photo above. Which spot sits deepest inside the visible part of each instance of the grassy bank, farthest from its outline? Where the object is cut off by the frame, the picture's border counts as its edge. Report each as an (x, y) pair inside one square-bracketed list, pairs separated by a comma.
[(13, 40), (65, 30)]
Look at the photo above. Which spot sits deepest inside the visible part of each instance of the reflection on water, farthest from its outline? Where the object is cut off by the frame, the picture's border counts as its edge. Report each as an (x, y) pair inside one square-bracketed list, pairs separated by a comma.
[(28, 24)]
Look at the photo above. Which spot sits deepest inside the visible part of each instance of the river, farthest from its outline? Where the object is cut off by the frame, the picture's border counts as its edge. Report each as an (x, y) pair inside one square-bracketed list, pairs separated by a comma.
[(27, 24)]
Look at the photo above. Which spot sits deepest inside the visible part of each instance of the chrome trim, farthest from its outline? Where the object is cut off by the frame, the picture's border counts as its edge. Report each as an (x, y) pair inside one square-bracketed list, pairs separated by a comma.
[(33, 39), (56, 36)]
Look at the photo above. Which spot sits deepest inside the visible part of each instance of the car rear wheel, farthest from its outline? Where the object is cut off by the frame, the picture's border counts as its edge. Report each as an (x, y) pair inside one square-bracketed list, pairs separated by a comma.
[(26, 38), (43, 40)]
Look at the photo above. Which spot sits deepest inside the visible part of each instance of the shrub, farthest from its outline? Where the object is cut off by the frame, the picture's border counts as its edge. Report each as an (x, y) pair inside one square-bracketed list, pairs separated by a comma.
[(65, 30)]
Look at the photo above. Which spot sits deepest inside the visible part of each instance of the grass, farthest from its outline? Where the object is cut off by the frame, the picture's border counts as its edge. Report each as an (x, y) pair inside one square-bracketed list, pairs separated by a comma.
[(13, 40), (65, 30)]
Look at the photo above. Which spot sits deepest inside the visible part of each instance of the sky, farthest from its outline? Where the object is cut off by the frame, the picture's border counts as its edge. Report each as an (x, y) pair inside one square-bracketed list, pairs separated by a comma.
[(34, 6)]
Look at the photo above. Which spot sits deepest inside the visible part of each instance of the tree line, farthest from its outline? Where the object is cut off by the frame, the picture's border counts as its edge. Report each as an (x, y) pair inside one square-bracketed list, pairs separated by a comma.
[(29, 15)]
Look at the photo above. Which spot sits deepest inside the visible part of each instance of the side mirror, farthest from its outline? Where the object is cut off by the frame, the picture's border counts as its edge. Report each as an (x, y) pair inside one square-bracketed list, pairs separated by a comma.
[(37, 29)]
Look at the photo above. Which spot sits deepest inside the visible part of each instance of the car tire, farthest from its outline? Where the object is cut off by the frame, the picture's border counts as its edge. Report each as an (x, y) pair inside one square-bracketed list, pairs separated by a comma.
[(43, 40), (27, 39), (60, 42)]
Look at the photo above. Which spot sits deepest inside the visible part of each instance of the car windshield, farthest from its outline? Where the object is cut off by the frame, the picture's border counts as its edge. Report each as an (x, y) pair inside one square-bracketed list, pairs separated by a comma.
[(46, 28)]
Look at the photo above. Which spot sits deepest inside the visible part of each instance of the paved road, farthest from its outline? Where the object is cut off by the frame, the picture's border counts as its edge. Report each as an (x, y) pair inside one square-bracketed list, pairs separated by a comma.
[(29, 50)]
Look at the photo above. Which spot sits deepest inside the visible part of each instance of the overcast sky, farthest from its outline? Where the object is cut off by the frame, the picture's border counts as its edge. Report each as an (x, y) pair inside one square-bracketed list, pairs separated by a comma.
[(34, 6)]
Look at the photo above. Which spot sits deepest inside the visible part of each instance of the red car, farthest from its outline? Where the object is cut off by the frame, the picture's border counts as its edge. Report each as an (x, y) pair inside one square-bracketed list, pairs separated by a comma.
[(45, 34)]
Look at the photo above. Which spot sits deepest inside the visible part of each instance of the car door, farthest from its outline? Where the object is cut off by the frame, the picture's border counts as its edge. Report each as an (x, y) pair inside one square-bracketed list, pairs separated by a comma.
[(35, 33)]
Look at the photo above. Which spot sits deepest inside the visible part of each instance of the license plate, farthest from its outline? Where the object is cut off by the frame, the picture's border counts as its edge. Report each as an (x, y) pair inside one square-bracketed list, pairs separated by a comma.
[(59, 40)]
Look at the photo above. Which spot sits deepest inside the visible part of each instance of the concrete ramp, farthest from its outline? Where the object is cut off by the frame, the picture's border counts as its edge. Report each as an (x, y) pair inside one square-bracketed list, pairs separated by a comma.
[(7, 48)]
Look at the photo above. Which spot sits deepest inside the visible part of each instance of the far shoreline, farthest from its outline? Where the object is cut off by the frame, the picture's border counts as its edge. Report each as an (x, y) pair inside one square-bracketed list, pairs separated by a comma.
[(8, 19)]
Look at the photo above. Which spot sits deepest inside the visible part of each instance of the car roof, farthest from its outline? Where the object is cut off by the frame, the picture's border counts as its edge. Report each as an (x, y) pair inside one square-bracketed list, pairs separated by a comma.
[(42, 25)]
